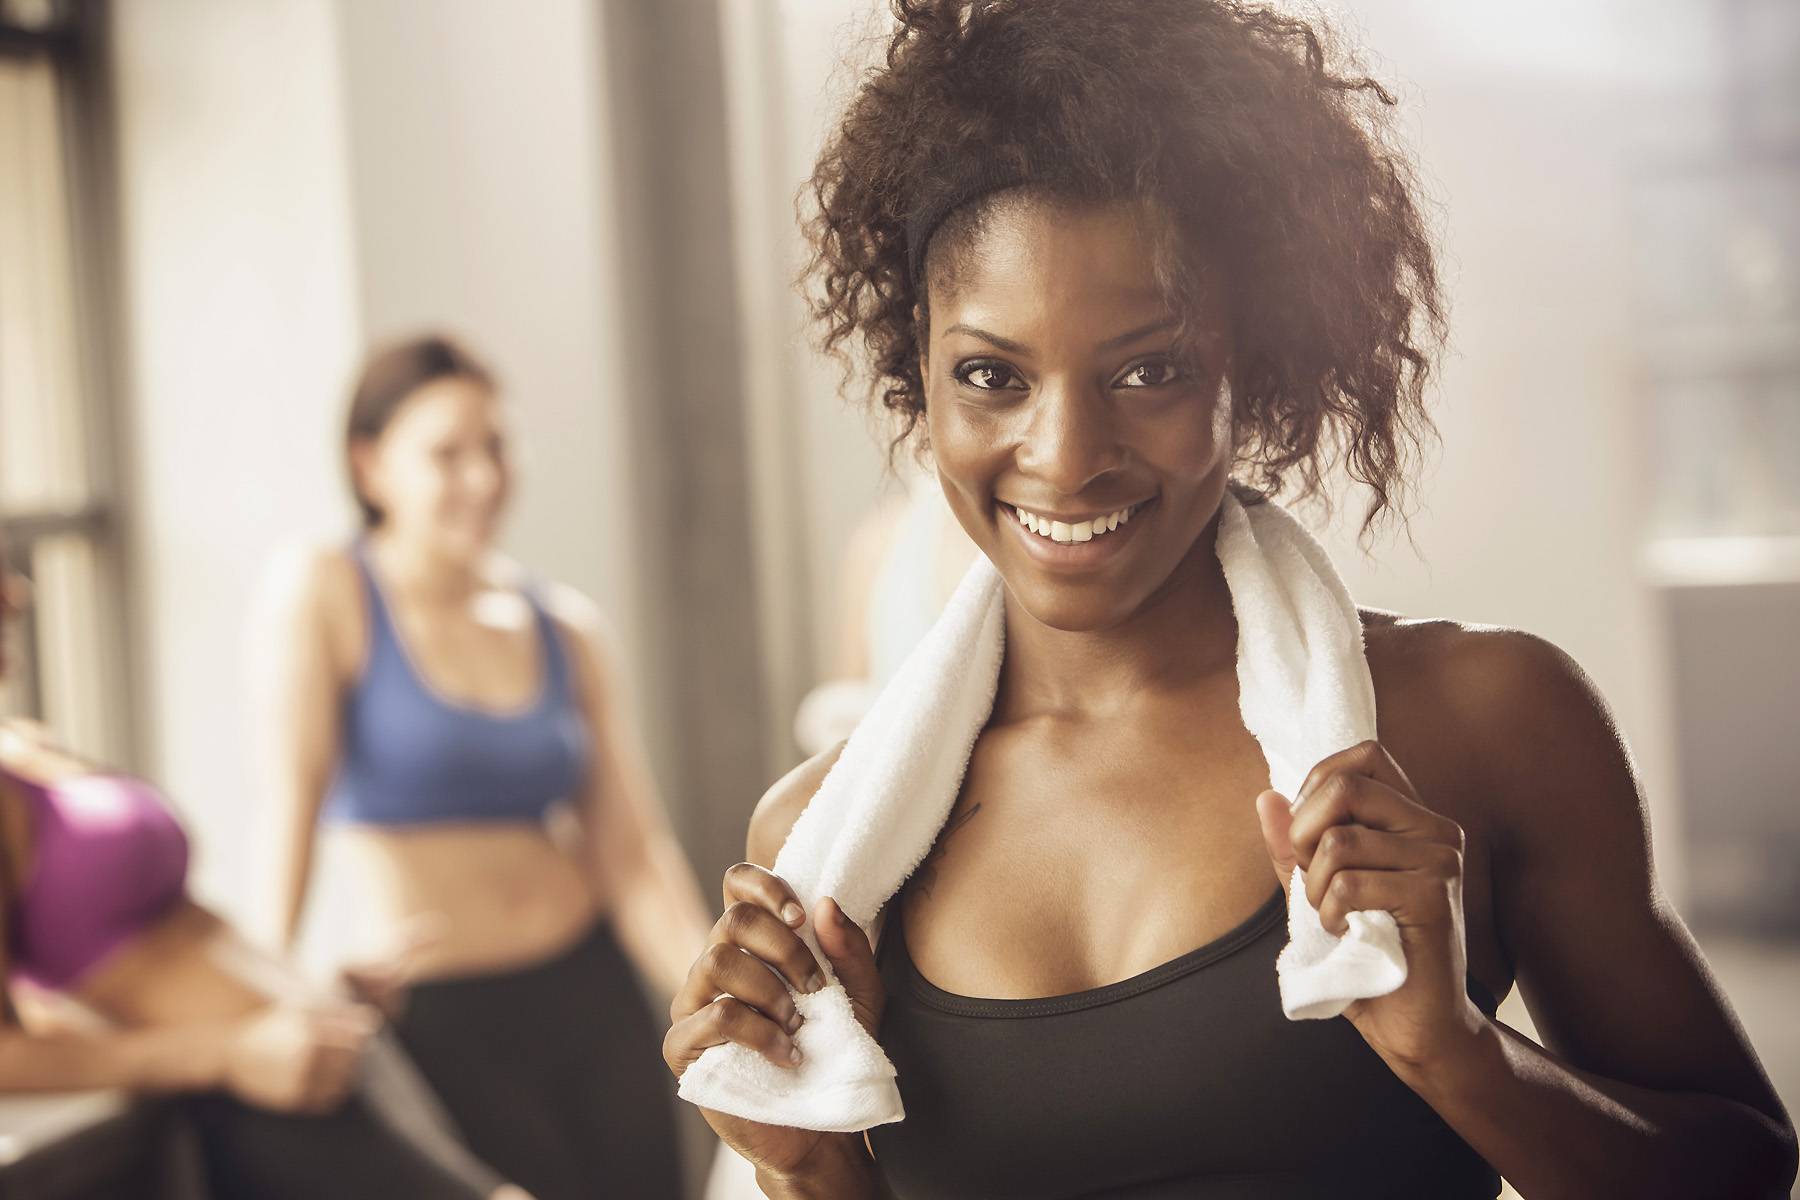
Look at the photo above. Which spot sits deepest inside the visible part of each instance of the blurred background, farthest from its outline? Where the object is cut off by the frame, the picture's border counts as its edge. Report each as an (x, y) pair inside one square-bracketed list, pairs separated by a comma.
[(208, 208)]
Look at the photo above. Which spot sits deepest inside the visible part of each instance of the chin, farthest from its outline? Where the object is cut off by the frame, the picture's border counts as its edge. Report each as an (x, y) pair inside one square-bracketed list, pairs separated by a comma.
[(464, 545), (1075, 608)]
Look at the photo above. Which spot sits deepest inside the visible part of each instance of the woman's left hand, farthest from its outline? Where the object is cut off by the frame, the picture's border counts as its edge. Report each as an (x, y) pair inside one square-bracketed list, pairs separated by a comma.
[(1364, 841), (384, 980)]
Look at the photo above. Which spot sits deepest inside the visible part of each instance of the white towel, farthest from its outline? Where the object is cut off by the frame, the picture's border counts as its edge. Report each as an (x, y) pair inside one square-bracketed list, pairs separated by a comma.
[(1304, 692)]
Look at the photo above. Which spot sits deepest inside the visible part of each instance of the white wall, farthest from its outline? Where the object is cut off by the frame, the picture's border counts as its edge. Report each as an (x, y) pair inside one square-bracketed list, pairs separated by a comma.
[(240, 327), (1536, 510), (476, 132)]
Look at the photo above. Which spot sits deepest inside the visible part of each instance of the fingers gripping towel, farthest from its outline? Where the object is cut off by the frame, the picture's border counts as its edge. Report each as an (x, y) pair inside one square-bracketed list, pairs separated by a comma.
[(1304, 692)]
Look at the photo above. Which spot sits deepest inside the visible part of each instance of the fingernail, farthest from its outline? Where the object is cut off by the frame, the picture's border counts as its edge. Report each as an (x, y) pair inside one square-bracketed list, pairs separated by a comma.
[(792, 913), (793, 1021), (794, 1055), (814, 982)]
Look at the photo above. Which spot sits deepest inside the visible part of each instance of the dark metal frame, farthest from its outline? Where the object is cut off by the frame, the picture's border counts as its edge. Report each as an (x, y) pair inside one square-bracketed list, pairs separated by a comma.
[(74, 40)]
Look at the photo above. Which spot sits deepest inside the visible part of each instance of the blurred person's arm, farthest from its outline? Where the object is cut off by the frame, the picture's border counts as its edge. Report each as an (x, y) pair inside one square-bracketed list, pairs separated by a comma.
[(281, 1057), (66, 1058), (297, 689), (657, 907)]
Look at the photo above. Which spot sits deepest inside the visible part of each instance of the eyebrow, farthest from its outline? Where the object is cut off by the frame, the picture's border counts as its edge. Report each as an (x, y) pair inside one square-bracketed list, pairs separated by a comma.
[(1111, 343)]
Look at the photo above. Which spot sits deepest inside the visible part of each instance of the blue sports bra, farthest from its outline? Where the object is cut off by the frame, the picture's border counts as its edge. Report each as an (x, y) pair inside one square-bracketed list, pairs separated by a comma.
[(411, 757)]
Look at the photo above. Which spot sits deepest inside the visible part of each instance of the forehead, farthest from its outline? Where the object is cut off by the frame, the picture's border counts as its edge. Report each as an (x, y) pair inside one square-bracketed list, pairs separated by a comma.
[(445, 405), (1026, 258)]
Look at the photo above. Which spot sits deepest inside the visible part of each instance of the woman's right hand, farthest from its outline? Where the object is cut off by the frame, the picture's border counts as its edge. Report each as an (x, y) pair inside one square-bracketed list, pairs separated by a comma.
[(735, 992), (294, 1059)]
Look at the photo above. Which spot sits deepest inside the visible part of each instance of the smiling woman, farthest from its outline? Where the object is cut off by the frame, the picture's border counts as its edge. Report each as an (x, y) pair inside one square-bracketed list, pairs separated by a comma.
[(1120, 265), (1285, 194)]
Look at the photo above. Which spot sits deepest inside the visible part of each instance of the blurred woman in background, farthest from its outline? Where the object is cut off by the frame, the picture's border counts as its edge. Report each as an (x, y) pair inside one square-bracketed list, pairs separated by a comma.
[(462, 731), (294, 1093)]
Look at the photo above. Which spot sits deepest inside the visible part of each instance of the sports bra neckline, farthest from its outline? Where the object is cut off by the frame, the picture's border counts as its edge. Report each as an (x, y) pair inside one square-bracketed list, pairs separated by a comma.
[(1227, 943), (380, 611)]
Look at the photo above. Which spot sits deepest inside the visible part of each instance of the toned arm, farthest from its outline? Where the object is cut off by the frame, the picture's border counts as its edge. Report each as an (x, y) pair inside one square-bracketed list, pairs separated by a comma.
[(307, 617), (1646, 1085), (636, 860)]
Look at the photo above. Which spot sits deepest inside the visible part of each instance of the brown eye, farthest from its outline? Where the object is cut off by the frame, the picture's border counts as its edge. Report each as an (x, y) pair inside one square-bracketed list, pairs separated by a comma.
[(987, 376), (1150, 374)]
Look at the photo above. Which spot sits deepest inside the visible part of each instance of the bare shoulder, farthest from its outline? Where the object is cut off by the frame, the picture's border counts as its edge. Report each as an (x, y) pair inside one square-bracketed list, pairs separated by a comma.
[(1514, 685), (1509, 713), (310, 574), (580, 620), (575, 611), (590, 636), (782, 805), (312, 590)]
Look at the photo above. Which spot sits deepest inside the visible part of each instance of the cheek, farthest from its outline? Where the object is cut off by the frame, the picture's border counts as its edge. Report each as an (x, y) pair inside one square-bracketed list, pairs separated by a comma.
[(1193, 438), (422, 483), (970, 452)]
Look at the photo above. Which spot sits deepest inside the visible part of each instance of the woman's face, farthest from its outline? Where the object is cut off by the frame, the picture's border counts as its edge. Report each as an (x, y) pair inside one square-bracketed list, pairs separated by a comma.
[(439, 470), (1052, 389)]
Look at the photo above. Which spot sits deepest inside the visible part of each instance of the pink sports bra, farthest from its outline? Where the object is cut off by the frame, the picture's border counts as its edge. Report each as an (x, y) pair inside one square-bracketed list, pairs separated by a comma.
[(107, 859)]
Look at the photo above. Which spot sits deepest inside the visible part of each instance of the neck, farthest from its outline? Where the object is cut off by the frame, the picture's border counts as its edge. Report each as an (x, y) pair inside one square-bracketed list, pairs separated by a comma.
[(1183, 633), (416, 569)]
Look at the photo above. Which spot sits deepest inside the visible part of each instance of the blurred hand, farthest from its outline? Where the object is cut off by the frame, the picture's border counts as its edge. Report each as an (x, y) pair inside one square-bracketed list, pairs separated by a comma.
[(292, 1059), (383, 981)]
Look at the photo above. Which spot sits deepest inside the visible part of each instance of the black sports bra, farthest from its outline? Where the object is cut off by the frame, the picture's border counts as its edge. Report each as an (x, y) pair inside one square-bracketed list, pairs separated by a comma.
[(1184, 1081)]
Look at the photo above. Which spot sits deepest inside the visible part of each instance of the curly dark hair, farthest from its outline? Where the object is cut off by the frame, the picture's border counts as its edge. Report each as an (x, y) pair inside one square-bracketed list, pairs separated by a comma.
[(1263, 148)]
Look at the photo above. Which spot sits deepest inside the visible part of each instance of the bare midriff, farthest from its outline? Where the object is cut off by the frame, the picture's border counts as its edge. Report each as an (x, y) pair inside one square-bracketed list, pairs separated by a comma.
[(496, 896)]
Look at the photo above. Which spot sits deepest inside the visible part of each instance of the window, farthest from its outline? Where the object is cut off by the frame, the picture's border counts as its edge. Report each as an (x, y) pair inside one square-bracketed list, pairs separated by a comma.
[(56, 506)]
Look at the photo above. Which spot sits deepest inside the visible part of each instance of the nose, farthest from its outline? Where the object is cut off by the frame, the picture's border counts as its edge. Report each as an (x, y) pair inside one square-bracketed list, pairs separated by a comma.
[(1071, 440)]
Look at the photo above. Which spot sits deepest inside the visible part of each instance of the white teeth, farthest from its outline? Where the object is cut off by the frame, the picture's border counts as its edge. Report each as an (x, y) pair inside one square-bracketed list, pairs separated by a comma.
[(1081, 531)]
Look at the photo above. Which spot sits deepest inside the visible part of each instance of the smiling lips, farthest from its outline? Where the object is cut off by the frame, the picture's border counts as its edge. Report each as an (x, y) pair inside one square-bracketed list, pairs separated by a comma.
[(1068, 533)]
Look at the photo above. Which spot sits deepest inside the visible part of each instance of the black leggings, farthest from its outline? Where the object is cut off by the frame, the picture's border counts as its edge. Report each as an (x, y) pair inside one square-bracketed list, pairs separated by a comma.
[(554, 1073), (389, 1139)]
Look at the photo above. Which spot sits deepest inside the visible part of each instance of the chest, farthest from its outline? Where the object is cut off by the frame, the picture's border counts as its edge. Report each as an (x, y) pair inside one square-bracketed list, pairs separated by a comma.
[(1079, 854), (488, 655), (1078, 857)]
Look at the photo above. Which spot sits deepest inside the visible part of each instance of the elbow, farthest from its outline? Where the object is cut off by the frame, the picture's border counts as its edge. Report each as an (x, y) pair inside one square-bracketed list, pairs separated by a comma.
[(1787, 1159), (1764, 1165)]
